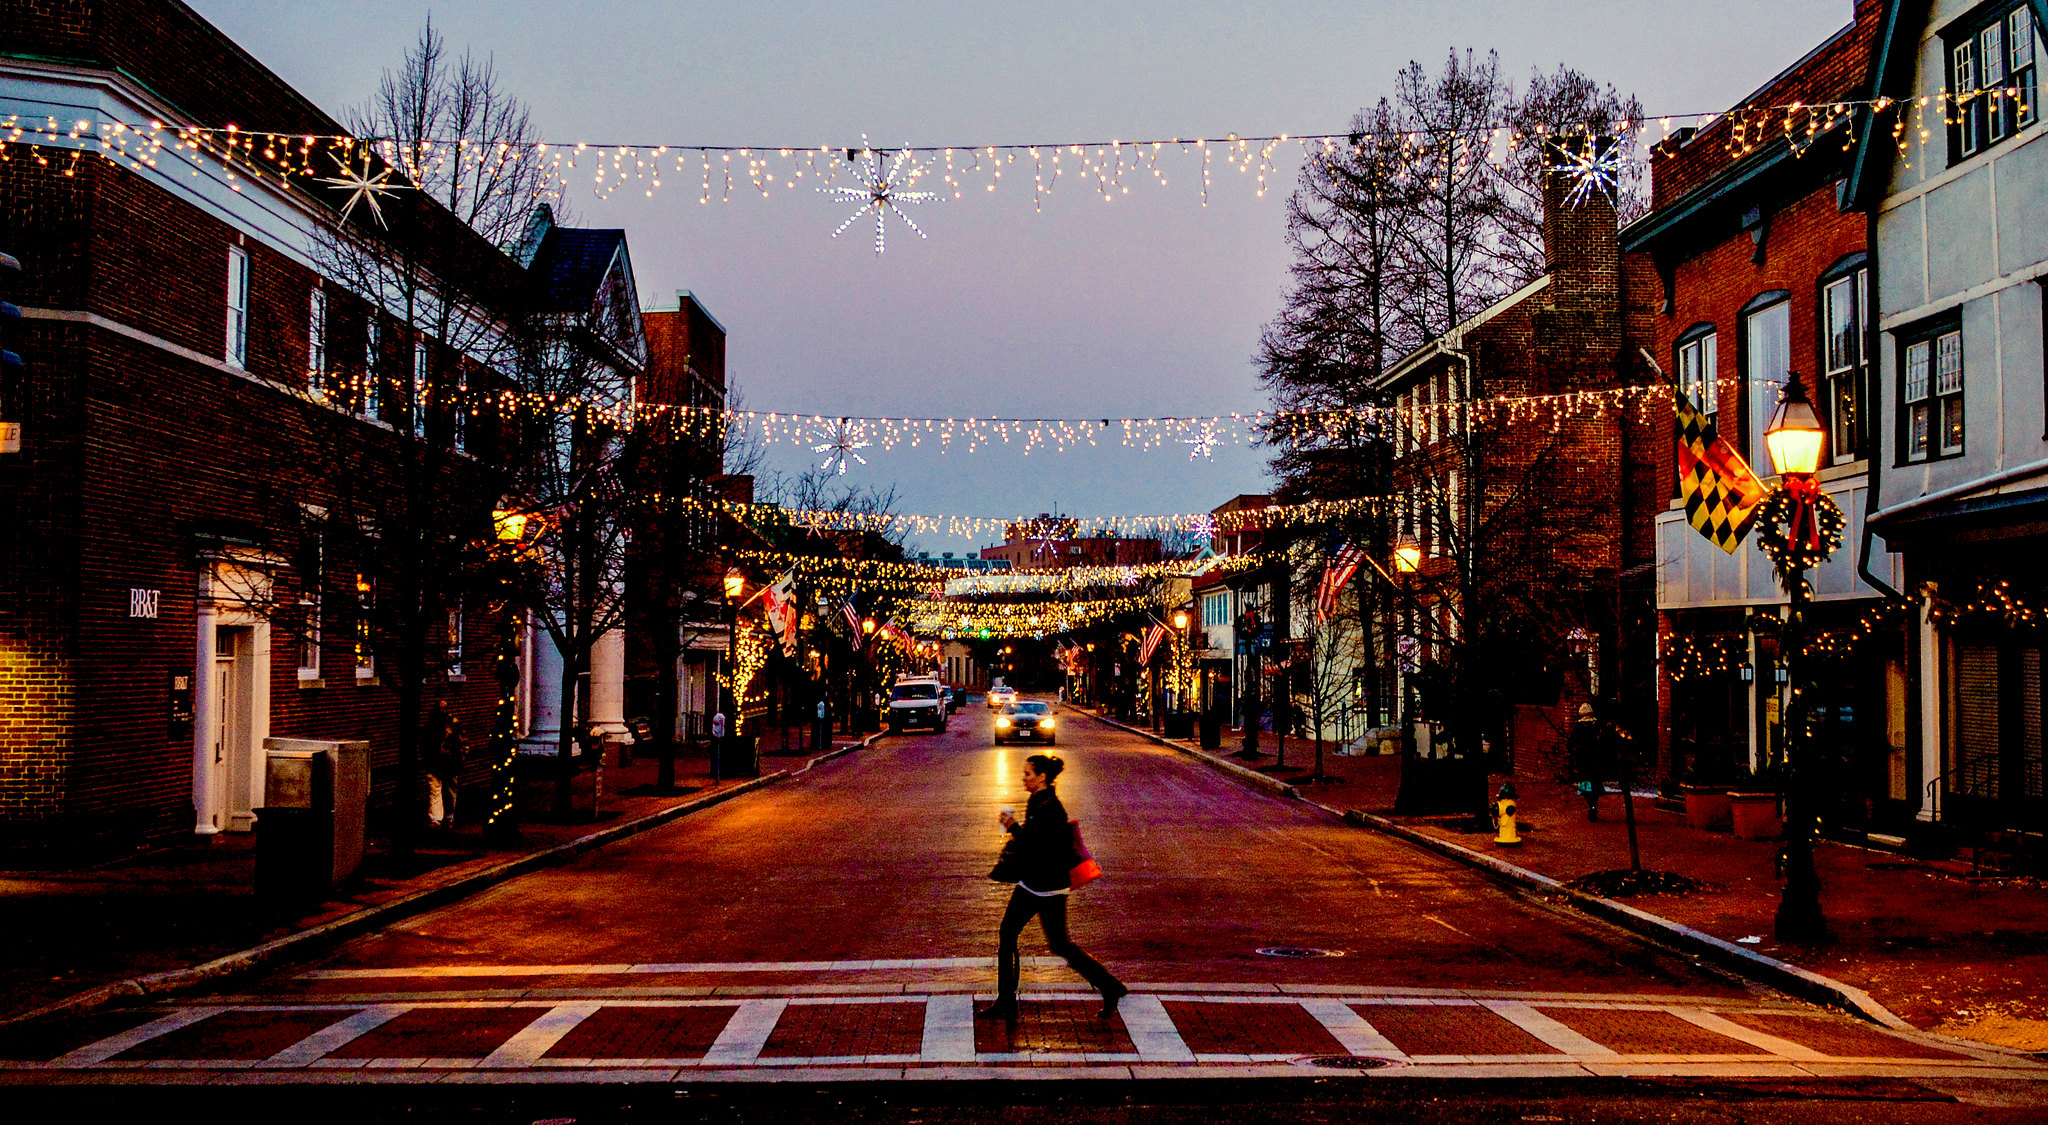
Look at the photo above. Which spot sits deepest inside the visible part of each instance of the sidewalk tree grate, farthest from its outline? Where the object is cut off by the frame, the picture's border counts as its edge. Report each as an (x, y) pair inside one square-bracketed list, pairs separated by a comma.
[(1297, 952), (1346, 1062)]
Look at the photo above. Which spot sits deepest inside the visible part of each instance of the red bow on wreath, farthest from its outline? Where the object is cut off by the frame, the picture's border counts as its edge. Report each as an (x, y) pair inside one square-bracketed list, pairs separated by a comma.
[(1802, 528)]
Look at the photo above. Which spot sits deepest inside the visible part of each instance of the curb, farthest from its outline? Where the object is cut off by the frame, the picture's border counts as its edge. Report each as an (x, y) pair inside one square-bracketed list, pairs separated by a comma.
[(300, 943), (1781, 975)]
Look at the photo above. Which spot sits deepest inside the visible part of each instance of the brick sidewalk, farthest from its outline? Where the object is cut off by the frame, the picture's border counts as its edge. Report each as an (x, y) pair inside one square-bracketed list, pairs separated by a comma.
[(177, 907), (1949, 953)]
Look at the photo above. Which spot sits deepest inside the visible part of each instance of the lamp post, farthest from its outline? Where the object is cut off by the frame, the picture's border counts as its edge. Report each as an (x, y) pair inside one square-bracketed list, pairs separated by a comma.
[(867, 673), (500, 824), (1794, 439), (1180, 643), (1407, 563), (735, 585)]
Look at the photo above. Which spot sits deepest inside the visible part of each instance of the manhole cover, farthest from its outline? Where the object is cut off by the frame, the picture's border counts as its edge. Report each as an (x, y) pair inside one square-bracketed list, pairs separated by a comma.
[(1298, 952), (1346, 1062)]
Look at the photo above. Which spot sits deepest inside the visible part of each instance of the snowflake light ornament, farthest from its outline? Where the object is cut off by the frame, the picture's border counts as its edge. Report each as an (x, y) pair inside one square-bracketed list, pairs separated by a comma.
[(1595, 165), (880, 192), (1202, 529), (1202, 444), (842, 442), (362, 187)]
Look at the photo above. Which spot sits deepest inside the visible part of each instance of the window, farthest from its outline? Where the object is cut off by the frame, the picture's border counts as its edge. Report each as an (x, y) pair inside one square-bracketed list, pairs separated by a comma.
[(1697, 374), (237, 352), (421, 361), (1767, 360), (1845, 361), (455, 642), (458, 418), (316, 343), (1991, 77), (1215, 610), (1931, 394), (366, 601), (370, 401), (311, 575)]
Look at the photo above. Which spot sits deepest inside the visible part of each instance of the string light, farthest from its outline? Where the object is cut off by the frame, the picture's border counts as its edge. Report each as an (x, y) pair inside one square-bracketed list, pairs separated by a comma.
[(1065, 529), (1107, 168)]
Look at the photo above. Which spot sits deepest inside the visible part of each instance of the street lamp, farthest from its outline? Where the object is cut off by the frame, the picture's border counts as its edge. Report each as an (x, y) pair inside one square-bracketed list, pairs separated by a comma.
[(1794, 439), (735, 585), (1407, 555), (1180, 678)]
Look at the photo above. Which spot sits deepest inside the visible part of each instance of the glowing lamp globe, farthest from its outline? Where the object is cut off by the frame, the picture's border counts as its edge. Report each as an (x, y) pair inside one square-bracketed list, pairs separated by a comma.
[(868, 626), (1794, 436), (511, 526), (735, 584), (1407, 555), (1180, 619)]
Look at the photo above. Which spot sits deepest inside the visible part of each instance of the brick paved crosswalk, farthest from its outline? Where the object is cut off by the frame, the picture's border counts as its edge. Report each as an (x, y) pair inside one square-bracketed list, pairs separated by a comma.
[(929, 1031)]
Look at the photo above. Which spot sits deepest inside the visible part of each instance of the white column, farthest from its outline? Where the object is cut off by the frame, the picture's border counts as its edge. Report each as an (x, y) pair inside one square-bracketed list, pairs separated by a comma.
[(608, 684), (544, 729), (206, 802), (1927, 654)]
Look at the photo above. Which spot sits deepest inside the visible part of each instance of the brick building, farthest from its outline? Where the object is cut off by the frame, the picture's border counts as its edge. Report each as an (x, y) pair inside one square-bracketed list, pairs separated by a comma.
[(1758, 267), (221, 436), (1532, 593), (1049, 543)]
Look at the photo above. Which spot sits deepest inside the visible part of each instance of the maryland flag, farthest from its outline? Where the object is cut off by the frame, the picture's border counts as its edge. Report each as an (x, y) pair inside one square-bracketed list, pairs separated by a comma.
[(1721, 494)]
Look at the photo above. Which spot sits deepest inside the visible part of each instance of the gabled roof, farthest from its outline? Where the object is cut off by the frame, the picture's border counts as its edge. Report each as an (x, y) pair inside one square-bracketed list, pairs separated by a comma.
[(570, 265), (1891, 76)]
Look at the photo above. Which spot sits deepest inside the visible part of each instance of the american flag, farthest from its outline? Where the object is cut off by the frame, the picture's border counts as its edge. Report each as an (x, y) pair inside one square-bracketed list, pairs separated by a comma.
[(1343, 565), (852, 616), (1152, 640)]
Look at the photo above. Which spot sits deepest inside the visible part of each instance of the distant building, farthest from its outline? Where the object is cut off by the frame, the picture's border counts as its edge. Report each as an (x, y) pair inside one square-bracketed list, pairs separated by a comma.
[(1048, 542), (966, 564)]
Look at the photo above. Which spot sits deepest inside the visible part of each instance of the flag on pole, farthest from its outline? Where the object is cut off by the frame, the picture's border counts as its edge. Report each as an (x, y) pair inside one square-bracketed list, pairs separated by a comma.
[(1342, 566), (779, 603), (1153, 638), (1721, 493), (852, 616)]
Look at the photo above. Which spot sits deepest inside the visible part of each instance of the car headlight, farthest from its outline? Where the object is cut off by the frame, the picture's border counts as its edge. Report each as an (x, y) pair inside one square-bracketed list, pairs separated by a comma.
[(1045, 724), (1002, 724)]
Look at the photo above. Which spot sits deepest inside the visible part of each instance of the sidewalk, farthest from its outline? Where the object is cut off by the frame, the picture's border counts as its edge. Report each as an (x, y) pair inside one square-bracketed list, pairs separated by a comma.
[(1946, 952), (182, 906)]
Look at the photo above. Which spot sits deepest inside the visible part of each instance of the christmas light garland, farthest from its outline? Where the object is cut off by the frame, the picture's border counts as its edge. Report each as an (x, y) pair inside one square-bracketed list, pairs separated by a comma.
[(1068, 527), (1108, 168)]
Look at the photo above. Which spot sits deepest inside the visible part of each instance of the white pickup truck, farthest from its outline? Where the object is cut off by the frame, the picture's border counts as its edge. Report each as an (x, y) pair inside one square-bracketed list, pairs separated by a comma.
[(919, 702)]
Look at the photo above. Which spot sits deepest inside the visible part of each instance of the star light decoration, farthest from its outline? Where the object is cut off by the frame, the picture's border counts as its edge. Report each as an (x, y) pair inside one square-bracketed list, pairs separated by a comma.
[(842, 442), (1594, 166), (881, 192), (1202, 529), (1202, 444), (362, 187)]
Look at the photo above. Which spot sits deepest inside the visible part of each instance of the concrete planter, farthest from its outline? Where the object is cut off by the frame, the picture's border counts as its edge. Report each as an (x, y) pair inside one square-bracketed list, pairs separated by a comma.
[(1755, 815), (1707, 808)]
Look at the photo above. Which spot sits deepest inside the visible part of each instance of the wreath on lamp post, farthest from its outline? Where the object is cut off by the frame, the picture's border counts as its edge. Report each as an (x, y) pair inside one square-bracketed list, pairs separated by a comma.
[(1799, 526)]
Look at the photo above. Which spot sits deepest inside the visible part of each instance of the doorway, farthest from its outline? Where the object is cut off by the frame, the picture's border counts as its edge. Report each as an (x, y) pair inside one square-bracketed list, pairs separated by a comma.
[(235, 745)]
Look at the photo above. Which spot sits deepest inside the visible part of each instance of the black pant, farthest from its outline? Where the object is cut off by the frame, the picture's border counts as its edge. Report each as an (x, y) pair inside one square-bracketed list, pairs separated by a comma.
[(1052, 917)]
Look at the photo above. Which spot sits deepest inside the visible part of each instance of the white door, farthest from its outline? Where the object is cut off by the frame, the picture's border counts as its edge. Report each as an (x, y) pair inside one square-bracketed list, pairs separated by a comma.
[(234, 741)]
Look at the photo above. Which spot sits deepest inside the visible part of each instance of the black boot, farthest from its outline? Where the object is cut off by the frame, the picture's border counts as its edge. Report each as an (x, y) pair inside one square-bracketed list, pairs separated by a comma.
[(1110, 996), (1004, 1008)]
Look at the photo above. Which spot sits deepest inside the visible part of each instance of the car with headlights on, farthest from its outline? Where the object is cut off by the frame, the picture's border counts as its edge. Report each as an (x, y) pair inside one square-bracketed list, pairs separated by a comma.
[(1026, 720), (1000, 697)]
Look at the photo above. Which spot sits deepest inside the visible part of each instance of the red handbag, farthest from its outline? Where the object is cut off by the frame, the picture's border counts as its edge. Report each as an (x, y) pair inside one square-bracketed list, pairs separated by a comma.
[(1085, 870)]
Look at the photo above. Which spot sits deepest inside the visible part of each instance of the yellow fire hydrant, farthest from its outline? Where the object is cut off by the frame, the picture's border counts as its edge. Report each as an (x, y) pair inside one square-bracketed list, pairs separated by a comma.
[(1504, 817)]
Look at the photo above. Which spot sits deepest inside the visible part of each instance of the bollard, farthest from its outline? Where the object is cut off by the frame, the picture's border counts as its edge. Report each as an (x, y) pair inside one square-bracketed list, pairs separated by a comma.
[(1504, 817)]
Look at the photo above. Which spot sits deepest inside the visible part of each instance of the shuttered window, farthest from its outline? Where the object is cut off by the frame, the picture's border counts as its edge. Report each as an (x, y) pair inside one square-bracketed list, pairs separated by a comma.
[(1976, 772)]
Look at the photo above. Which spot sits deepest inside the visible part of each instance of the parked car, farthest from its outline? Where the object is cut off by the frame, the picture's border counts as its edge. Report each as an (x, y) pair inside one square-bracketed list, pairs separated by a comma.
[(917, 703), (1027, 720), (1000, 697)]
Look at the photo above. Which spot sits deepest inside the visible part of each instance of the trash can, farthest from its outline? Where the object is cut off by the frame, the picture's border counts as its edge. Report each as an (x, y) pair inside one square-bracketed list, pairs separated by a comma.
[(1212, 731), (310, 831)]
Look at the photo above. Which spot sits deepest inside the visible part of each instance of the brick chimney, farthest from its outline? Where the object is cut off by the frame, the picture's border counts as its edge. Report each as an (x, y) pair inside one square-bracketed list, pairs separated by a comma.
[(1578, 208)]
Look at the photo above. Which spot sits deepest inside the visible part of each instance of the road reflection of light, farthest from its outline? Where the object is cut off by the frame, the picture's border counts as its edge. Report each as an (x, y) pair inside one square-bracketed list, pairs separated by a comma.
[(1006, 775)]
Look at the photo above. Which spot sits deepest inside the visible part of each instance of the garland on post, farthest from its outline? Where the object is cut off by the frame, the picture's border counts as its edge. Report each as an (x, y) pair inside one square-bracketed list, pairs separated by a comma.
[(1799, 527)]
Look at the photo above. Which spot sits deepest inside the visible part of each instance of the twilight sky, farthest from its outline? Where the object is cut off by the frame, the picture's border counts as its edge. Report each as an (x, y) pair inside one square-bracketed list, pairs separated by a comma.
[(1150, 305)]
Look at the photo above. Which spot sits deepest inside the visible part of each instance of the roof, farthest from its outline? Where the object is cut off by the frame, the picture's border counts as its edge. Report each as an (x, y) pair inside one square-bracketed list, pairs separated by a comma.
[(570, 265), (1451, 341), (1892, 65)]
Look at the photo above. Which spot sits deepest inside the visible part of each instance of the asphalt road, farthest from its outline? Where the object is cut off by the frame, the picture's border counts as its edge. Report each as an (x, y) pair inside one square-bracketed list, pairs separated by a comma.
[(812, 950), (884, 855)]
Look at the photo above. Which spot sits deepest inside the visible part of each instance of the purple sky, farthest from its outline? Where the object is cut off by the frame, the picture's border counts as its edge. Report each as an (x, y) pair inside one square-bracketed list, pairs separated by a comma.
[(1150, 305)]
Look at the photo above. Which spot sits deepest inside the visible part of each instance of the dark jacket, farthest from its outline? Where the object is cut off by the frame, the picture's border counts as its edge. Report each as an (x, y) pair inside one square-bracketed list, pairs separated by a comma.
[(1587, 745), (1045, 843)]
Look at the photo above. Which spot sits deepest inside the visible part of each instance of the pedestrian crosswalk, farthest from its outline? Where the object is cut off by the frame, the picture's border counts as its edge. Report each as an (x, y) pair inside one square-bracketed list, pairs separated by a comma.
[(930, 1032)]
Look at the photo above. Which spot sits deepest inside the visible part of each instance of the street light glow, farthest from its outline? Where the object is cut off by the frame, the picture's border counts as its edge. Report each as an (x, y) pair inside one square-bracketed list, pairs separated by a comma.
[(1794, 436)]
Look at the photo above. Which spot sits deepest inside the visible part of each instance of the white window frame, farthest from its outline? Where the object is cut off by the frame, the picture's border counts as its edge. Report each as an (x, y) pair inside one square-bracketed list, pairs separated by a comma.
[(236, 347), (310, 590), (1932, 367), (316, 343), (1698, 370), (1762, 387), (422, 360), (1845, 360), (371, 401), (365, 654), (456, 633)]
